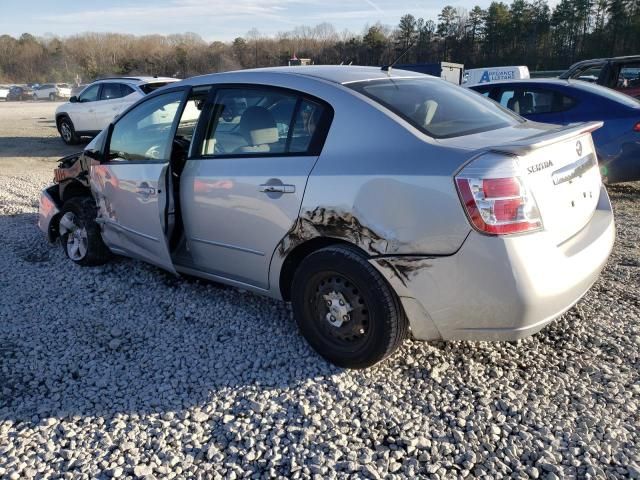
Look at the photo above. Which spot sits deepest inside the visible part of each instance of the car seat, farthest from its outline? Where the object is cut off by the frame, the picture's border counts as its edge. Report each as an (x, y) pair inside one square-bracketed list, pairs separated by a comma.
[(258, 128)]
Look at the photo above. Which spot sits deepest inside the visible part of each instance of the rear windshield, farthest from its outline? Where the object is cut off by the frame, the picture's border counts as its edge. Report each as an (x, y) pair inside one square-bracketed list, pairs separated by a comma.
[(610, 94), (438, 108), (147, 88)]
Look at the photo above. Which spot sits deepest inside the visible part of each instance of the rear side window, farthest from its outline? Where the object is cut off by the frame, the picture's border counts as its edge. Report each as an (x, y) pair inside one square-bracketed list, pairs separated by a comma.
[(529, 101), (439, 109), (126, 90), (264, 121), (589, 73), (110, 91)]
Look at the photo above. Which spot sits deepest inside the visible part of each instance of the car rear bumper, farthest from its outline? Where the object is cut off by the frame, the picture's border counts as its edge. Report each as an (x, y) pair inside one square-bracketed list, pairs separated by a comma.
[(48, 212), (500, 288)]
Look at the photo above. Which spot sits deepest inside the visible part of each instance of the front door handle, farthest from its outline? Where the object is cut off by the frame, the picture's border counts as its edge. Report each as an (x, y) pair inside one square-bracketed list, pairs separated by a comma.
[(145, 190), (277, 188)]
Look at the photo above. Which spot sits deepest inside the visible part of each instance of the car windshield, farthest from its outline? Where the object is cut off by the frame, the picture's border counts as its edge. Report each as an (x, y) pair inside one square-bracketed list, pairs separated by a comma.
[(437, 108)]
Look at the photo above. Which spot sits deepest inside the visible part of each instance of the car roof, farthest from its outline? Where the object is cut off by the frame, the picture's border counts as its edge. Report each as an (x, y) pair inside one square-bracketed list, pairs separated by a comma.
[(607, 59), (136, 80), (333, 73), (540, 81)]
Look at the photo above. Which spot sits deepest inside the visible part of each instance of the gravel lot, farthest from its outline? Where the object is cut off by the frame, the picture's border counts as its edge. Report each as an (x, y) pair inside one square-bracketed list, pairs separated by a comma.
[(124, 371)]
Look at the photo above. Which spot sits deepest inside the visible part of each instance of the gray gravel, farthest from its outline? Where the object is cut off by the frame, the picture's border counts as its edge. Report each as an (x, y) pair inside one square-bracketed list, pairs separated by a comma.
[(123, 371)]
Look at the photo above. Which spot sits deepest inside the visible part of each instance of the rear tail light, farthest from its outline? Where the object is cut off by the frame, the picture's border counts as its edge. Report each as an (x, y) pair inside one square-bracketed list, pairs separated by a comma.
[(496, 198), (636, 127)]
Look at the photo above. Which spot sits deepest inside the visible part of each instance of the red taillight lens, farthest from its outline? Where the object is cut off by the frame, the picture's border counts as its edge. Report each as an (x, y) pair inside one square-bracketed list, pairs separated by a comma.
[(500, 187), (636, 127), (499, 206)]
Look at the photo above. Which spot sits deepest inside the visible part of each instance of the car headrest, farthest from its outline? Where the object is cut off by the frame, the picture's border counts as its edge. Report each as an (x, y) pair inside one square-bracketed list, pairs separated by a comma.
[(258, 126), (513, 104)]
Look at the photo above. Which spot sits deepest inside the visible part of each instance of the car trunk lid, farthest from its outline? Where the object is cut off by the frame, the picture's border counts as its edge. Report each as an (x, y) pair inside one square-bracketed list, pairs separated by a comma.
[(561, 171)]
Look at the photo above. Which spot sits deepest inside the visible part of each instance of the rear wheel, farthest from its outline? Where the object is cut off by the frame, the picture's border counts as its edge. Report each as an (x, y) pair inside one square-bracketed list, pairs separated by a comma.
[(345, 309), (81, 239), (68, 131)]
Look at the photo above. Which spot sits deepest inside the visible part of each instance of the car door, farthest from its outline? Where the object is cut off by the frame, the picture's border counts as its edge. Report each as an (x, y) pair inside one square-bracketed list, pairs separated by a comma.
[(82, 112), (242, 187), (130, 185)]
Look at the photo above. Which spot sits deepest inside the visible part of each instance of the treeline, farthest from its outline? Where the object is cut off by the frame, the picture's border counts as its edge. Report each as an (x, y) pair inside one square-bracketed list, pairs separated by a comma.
[(524, 32)]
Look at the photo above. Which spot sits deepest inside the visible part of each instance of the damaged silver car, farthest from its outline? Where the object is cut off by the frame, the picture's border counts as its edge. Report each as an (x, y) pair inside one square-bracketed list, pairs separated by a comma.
[(380, 203)]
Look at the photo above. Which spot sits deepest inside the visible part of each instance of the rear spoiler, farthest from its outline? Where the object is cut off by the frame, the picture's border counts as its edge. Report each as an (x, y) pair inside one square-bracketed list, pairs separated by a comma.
[(547, 138)]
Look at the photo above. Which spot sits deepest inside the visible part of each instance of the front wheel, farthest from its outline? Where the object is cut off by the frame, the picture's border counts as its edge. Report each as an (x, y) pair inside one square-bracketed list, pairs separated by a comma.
[(80, 234), (345, 309)]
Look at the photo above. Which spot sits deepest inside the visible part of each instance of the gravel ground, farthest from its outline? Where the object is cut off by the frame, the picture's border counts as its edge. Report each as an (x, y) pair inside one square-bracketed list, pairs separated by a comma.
[(124, 371)]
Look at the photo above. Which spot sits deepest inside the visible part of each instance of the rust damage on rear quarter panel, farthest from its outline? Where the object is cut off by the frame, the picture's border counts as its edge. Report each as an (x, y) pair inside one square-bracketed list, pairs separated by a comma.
[(324, 222)]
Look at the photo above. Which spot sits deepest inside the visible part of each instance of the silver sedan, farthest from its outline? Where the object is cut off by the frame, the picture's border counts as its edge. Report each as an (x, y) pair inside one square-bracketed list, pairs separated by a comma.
[(380, 203)]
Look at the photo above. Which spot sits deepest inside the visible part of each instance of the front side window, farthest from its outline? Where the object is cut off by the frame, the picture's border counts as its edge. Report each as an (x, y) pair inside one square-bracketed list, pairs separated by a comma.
[(589, 73), (437, 108), (90, 94), (254, 121), (144, 133)]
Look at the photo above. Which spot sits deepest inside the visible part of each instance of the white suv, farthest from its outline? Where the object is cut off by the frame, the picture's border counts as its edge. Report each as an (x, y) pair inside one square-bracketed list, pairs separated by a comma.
[(52, 91), (99, 102)]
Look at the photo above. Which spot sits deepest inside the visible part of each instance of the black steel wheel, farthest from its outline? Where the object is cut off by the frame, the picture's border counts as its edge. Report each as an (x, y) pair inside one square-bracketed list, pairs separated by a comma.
[(345, 309)]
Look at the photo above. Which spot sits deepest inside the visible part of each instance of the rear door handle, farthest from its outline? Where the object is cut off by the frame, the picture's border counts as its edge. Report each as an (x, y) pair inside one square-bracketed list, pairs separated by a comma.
[(270, 188)]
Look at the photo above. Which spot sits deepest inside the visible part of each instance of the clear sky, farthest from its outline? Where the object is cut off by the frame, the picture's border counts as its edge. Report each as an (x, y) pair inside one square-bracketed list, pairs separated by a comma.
[(212, 19)]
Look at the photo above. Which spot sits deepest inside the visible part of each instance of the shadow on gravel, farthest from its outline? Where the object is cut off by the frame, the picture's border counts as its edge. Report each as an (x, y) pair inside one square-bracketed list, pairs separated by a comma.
[(128, 338), (36, 146)]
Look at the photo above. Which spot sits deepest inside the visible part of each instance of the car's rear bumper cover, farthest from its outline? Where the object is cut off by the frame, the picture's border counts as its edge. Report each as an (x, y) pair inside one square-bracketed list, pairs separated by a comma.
[(500, 288), (48, 211)]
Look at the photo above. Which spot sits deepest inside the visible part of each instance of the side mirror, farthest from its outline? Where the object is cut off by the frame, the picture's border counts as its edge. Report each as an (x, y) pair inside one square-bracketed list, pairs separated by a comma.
[(73, 99)]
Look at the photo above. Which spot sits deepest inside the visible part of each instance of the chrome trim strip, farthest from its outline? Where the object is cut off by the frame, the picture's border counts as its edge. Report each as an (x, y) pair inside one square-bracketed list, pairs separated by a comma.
[(225, 245), (125, 229), (573, 170)]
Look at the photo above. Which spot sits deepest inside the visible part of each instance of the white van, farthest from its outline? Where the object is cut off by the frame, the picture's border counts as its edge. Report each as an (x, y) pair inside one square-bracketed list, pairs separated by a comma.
[(475, 76)]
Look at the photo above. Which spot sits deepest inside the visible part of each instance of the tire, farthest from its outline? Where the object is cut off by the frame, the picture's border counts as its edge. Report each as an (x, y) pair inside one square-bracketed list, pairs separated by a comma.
[(82, 244), (339, 280), (68, 131)]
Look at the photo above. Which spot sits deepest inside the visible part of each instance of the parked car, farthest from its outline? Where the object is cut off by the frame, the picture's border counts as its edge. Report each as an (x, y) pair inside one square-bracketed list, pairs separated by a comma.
[(18, 92), (52, 91), (4, 91), (99, 102), (619, 73), (376, 202), (570, 101)]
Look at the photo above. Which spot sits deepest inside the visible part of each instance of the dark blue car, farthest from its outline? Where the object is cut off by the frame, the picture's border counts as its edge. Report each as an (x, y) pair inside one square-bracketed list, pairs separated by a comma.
[(570, 101)]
